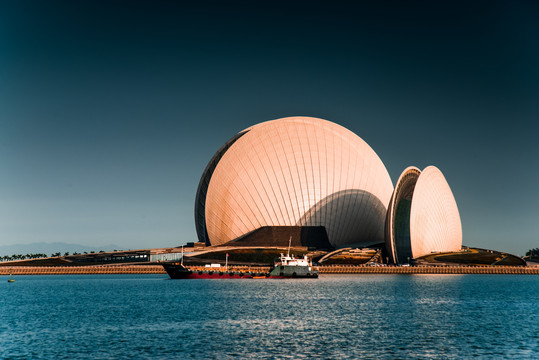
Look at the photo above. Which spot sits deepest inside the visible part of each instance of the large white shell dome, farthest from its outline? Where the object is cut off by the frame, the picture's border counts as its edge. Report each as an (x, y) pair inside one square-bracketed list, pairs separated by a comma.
[(295, 171)]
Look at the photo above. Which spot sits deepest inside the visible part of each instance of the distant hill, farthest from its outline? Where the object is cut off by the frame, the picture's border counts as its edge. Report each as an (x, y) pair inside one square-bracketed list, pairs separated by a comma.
[(50, 248)]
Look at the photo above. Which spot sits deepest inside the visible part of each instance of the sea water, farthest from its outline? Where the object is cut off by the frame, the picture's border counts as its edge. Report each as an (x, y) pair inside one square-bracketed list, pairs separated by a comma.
[(333, 317)]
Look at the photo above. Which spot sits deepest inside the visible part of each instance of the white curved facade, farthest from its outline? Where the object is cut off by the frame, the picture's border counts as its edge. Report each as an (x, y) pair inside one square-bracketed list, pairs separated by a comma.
[(423, 216), (434, 219), (298, 171)]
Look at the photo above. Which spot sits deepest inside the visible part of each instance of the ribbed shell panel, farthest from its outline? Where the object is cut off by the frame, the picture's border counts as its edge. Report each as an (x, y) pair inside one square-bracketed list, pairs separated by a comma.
[(403, 190), (200, 200), (299, 171), (434, 217)]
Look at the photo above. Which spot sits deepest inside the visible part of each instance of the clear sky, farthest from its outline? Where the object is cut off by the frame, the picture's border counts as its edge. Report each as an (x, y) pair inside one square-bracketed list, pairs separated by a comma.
[(110, 111)]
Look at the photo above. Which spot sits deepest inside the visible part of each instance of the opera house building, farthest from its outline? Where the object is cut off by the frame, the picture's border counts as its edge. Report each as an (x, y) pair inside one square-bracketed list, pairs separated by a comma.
[(321, 185)]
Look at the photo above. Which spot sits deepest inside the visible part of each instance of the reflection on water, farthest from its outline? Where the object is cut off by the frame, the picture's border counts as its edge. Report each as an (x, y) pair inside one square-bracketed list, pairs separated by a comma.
[(334, 317)]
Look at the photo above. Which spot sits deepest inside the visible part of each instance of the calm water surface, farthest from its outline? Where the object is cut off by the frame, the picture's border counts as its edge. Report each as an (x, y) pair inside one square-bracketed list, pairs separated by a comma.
[(334, 317)]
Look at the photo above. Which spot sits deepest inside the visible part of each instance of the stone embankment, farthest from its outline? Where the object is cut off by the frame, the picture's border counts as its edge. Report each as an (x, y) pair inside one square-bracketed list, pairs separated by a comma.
[(343, 269), (82, 270), (327, 269), (106, 269)]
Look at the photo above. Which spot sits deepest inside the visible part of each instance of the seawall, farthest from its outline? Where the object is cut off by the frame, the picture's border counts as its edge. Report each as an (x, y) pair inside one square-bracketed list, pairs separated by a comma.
[(328, 269), (82, 270), (340, 269)]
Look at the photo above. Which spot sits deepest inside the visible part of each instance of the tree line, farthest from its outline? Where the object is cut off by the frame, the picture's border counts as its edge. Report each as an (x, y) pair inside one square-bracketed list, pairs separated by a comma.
[(533, 252), (40, 255)]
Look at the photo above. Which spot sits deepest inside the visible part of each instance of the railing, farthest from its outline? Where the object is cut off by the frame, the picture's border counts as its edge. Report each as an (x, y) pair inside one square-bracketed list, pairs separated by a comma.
[(354, 269), (325, 269), (82, 270)]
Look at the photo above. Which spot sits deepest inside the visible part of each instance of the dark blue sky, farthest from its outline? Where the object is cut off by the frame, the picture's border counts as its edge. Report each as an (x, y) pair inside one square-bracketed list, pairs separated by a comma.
[(109, 111)]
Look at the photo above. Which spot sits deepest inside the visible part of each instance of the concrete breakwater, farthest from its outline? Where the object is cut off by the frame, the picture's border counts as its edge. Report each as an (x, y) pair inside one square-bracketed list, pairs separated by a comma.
[(328, 269), (82, 270), (340, 269), (110, 269)]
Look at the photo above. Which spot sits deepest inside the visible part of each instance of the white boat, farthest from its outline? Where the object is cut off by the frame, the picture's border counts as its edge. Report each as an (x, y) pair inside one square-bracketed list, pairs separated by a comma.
[(291, 267), (10, 280)]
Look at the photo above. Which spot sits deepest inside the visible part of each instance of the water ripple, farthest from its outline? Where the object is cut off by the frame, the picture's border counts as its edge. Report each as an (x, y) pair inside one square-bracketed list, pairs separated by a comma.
[(334, 317)]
